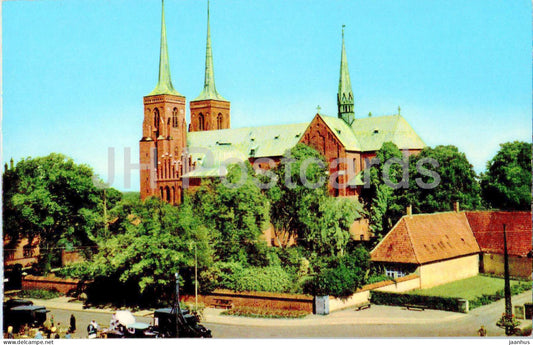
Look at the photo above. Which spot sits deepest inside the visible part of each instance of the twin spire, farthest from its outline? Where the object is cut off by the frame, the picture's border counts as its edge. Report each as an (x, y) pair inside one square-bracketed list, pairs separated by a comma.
[(345, 99), (164, 83)]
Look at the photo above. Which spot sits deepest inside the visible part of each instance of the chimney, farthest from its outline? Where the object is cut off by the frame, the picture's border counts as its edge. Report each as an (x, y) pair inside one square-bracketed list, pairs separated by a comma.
[(456, 206), (409, 210)]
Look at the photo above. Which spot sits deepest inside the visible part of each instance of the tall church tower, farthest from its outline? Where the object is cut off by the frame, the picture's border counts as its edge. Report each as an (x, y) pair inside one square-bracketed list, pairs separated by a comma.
[(209, 111), (164, 134), (345, 99)]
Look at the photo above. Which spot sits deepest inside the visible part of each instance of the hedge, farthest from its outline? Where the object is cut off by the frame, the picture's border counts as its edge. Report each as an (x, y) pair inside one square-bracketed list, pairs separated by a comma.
[(430, 302), (265, 313)]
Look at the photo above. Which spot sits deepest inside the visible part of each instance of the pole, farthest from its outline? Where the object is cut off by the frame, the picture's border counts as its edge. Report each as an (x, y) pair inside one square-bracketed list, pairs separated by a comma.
[(177, 304), (508, 304), (105, 215), (195, 278)]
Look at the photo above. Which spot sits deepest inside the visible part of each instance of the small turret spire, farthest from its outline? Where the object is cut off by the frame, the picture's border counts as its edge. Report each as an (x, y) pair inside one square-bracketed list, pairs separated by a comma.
[(164, 83), (210, 90), (345, 99)]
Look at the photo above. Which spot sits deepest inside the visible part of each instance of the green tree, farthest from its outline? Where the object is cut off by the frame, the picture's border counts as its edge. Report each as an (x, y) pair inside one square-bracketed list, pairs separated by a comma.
[(151, 240), (329, 234), (237, 212), (381, 196), (301, 206), (56, 200), (506, 184), (295, 206), (456, 181)]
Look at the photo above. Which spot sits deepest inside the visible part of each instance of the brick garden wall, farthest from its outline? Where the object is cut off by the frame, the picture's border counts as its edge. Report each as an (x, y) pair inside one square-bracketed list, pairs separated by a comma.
[(266, 300), (62, 285)]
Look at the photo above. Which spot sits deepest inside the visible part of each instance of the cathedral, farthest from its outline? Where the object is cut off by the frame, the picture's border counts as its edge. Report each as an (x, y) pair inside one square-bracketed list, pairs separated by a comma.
[(174, 155)]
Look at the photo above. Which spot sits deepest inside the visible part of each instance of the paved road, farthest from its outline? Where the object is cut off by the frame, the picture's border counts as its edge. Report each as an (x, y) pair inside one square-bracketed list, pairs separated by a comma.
[(463, 327)]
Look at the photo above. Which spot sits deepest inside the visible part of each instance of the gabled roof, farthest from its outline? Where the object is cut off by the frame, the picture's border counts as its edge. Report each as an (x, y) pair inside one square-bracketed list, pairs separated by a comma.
[(487, 227), (343, 132), (273, 141), (424, 238), (373, 131)]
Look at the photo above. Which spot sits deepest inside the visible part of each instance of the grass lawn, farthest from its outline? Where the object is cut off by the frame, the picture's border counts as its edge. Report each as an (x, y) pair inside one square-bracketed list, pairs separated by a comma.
[(469, 288)]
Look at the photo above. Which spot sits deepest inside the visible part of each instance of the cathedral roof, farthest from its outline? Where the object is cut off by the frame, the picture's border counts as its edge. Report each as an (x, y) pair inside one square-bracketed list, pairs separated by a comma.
[(372, 132), (239, 144), (365, 135)]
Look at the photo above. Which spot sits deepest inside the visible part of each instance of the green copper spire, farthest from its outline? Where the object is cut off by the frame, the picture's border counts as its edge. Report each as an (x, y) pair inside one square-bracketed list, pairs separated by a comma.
[(345, 100), (209, 91), (164, 84)]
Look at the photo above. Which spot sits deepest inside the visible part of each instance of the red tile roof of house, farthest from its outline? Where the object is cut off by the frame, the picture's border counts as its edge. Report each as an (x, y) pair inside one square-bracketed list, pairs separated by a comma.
[(424, 238), (487, 227)]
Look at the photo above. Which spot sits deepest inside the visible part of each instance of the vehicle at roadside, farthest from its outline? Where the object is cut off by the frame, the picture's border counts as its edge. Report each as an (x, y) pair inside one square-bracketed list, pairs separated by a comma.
[(166, 320), (19, 312)]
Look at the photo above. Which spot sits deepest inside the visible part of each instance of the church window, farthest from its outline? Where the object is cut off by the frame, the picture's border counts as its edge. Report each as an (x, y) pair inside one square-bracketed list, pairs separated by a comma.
[(156, 121), (175, 118), (201, 122), (219, 121), (167, 194)]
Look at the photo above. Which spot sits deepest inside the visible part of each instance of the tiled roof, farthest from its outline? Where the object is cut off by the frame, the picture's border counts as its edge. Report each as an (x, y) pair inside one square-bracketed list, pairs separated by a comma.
[(487, 227), (423, 238)]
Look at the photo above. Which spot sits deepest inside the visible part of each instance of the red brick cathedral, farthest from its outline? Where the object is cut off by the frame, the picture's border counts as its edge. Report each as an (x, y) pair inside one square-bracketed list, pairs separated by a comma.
[(174, 155)]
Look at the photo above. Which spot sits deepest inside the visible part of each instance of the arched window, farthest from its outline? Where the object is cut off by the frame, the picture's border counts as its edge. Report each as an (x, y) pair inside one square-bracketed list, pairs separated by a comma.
[(167, 194), (219, 121), (156, 121), (175, 118), (201, 122)]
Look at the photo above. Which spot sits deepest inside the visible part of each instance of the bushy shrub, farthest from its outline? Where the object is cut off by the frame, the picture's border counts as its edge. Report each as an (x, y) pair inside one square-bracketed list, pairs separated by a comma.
[(266, 313), (430, 302), (377, 278), (76, 270), (343, 276), (39, 294), (227, 274), (269, 279)]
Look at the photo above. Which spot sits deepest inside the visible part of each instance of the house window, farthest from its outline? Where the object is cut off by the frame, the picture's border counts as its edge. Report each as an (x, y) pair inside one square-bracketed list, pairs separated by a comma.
[(28, 251), (175, 118), (394, 272), (219, 121), (201, 122)]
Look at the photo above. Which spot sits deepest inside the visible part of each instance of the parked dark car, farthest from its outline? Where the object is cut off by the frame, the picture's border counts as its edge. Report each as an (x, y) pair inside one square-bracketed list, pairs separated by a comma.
[(125, 326), (165, 324), (18, 312)]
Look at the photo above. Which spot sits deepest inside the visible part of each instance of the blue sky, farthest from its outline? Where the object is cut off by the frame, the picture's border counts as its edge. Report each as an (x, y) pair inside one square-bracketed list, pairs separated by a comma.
[(75, 72)]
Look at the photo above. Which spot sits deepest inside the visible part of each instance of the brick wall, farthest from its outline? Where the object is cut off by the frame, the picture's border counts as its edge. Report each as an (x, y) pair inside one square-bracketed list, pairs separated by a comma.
[(62, 285), (266, 300)]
